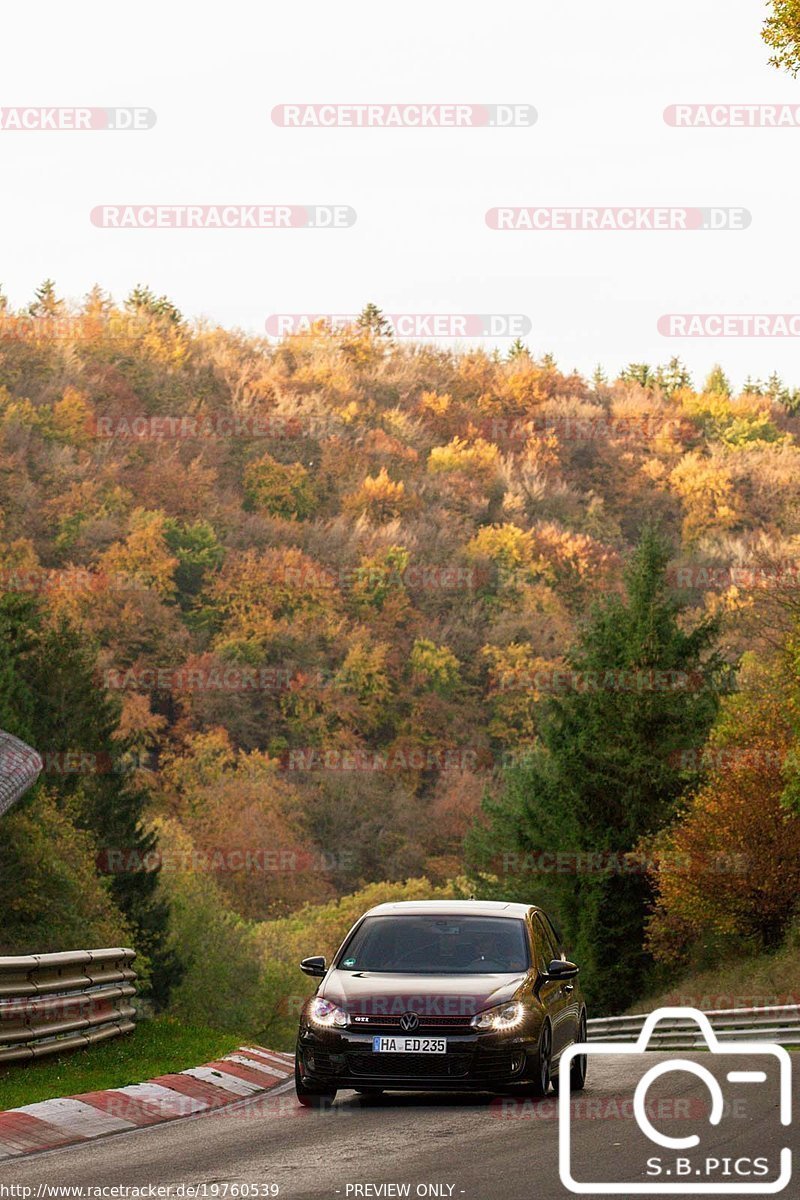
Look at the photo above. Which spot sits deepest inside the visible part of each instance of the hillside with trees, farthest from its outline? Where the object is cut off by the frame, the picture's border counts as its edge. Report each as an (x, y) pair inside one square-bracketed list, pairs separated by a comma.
[(295, 621)]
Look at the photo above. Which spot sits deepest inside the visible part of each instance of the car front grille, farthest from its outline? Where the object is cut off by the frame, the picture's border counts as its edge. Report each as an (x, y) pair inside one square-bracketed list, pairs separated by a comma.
[(411, 1066), (455, 1023)]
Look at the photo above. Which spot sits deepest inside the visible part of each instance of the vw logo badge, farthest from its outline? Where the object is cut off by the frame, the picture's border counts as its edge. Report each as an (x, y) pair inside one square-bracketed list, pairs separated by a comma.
[(409, 1021)]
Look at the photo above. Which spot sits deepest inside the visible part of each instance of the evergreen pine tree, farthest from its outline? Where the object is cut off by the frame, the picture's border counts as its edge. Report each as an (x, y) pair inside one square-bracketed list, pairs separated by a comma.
[(673, 376), (46, 303), (599, 379), (608, 772), (50, 697), (517, 349), (372, 320), (641, 373), (717, 383)]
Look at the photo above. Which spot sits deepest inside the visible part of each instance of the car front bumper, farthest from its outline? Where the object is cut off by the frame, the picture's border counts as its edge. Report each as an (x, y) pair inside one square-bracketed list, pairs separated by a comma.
[(477, 1061)]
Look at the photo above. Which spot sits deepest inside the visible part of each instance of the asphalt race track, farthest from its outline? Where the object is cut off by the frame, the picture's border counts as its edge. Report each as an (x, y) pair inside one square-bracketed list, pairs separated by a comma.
[(476, 1147)]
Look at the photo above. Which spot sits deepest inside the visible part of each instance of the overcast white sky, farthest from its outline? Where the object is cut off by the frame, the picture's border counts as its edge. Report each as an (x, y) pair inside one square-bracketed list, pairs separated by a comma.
[(599, 74)]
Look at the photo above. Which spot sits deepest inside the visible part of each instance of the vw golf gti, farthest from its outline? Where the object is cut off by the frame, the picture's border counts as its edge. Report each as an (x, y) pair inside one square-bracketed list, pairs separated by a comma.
[(426, 995)]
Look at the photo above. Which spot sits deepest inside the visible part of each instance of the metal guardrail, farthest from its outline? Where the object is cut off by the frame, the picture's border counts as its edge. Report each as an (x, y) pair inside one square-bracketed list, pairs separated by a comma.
[(779, 1024), (55, 1002)]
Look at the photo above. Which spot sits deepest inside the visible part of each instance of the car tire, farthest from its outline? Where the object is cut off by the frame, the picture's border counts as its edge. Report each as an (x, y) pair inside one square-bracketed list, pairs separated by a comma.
[(577, 1070), (539, 1084), (312, 1095)]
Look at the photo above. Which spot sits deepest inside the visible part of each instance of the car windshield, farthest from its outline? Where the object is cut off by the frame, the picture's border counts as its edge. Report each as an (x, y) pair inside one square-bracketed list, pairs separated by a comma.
[(437, 945)]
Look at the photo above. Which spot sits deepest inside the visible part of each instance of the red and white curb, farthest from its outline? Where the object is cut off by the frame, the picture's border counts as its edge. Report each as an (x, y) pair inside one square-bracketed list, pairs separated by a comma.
[(247, 1072)]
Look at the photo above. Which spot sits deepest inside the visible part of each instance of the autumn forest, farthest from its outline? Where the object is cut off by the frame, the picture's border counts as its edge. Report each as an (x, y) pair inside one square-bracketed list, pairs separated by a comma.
[(300, 624)]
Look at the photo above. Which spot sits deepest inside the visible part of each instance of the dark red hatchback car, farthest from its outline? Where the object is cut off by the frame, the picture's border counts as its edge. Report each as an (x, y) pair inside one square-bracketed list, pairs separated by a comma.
[(426, 995)]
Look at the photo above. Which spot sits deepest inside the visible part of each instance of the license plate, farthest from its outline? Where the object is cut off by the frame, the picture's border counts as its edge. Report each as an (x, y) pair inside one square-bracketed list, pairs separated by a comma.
[(409, 1045)]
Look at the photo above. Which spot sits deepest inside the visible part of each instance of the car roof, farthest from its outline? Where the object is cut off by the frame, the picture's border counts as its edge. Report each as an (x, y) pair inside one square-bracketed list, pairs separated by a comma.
[(452, 908)]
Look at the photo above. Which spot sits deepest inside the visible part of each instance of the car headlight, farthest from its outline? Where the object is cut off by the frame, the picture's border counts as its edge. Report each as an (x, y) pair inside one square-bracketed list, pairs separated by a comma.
[(504, 1016), (323, 1012)]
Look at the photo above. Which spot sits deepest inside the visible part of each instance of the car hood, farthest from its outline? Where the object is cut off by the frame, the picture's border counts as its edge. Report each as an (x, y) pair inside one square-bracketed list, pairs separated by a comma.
[(379, 993)]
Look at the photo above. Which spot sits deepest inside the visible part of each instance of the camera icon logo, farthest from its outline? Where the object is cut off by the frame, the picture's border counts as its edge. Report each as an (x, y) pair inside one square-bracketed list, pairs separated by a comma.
[(686, 1167)]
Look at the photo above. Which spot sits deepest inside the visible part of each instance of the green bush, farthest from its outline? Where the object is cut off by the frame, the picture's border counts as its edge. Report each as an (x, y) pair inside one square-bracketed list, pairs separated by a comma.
[(51, 897), (319, 929), (244, 975), (221, 983)]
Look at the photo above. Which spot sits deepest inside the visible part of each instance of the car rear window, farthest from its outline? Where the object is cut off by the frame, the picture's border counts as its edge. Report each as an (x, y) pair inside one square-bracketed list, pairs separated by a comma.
[(437, 945)]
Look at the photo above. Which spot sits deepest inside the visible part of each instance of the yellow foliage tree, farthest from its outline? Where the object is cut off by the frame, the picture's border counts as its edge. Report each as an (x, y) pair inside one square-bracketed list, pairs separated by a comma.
[(480, 459), (144, 558), (705, 485), (259, 594), (513, 691), (511, 553), (277, 488), (72, 418), (731, 866), (379, 498)]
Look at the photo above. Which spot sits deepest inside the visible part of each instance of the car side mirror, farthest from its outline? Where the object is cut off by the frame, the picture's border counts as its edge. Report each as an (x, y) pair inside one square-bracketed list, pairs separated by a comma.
[(314, 966), (562, 969)]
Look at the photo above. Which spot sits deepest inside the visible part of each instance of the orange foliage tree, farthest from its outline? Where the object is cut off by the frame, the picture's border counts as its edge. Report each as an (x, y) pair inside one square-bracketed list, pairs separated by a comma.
[(731, 865)]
